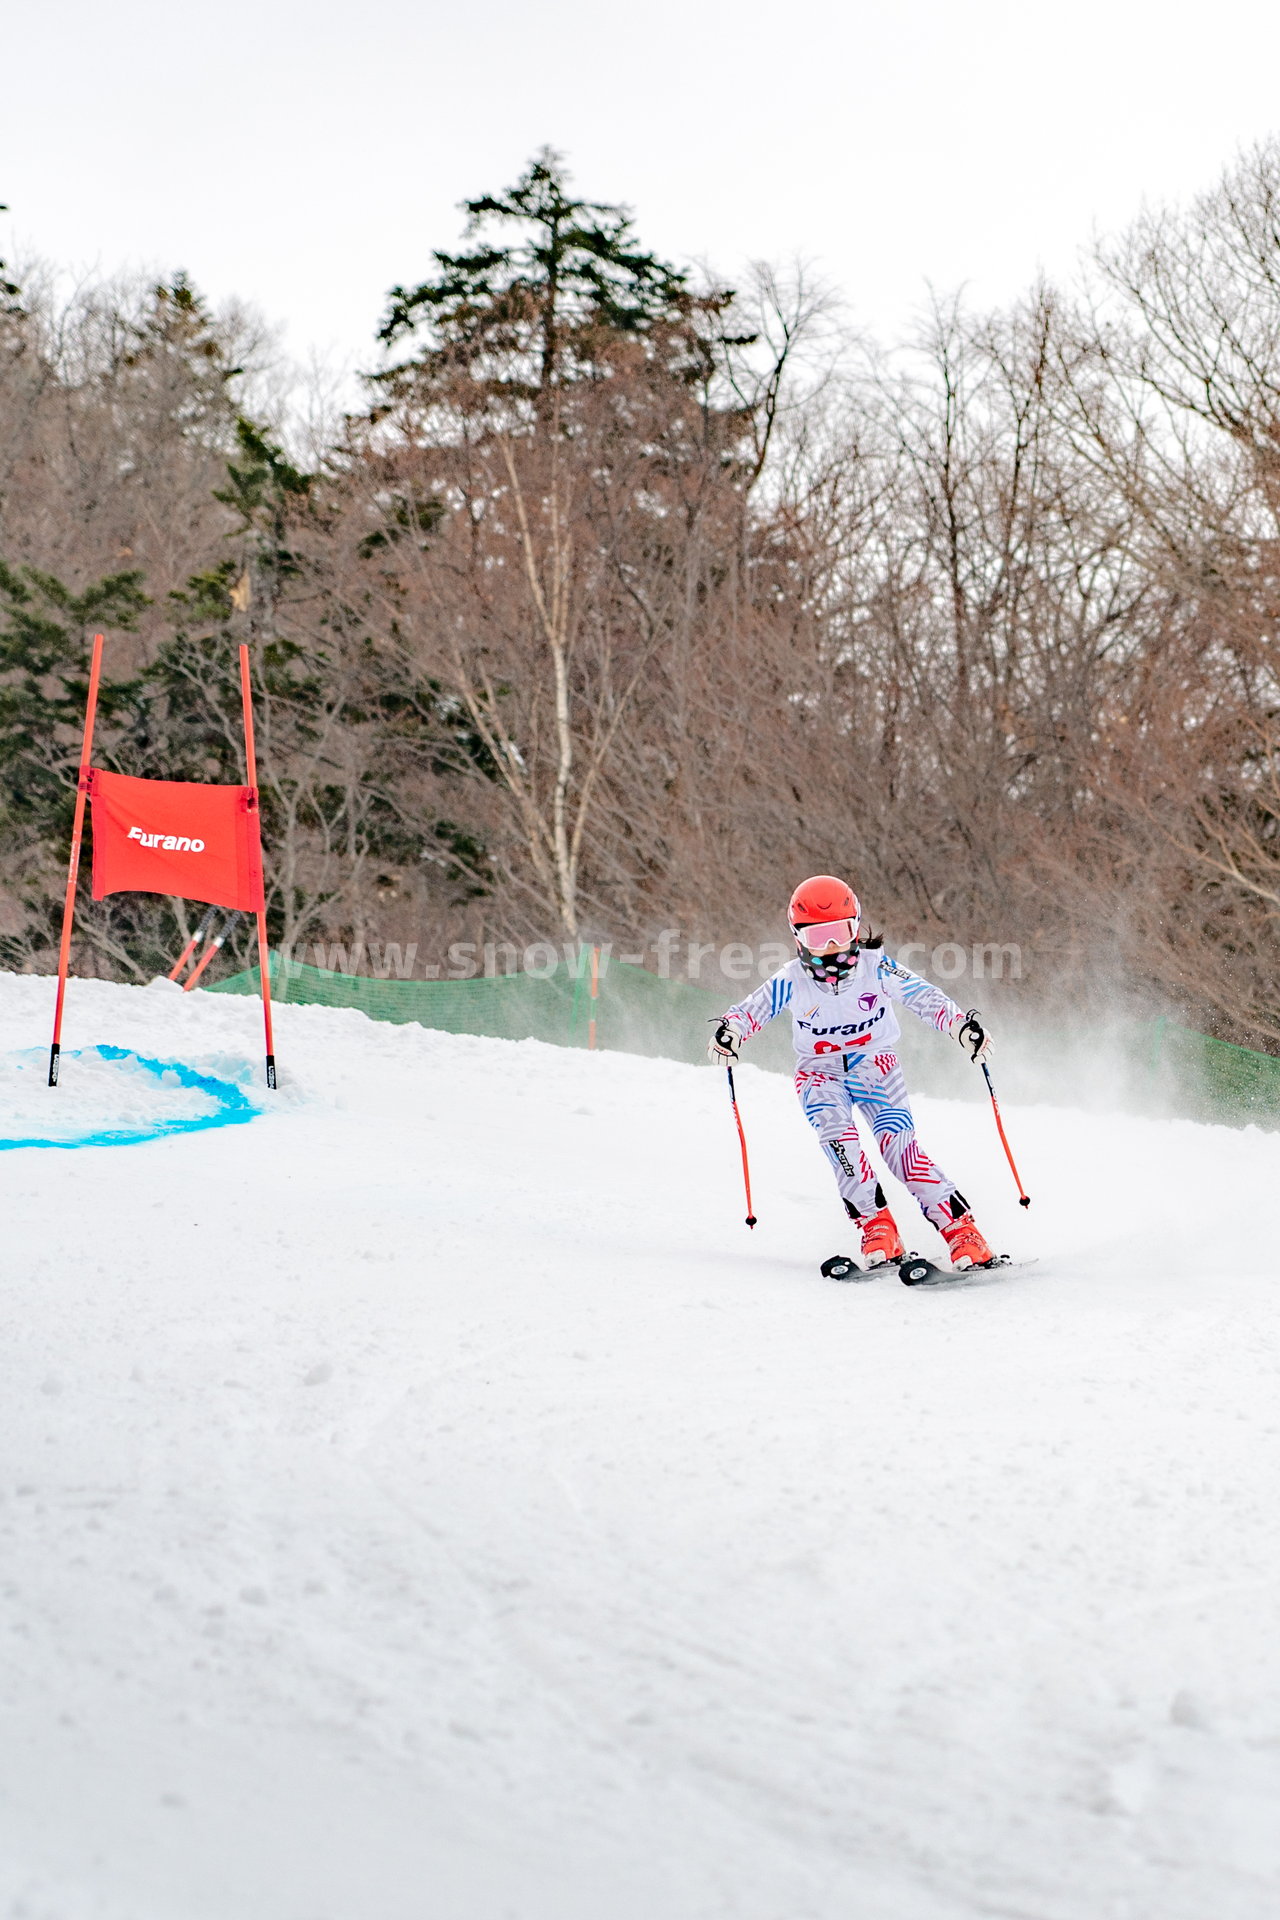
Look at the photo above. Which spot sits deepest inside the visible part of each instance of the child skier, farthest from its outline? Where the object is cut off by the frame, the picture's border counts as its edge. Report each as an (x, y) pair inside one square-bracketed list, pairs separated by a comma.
[(840, 991)]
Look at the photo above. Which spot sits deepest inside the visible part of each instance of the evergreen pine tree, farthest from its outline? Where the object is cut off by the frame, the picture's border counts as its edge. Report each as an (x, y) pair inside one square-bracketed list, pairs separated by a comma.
[(544, 276)]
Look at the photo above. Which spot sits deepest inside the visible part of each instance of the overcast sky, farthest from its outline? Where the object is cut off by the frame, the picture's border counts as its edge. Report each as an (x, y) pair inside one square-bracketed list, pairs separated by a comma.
[(306, 154)]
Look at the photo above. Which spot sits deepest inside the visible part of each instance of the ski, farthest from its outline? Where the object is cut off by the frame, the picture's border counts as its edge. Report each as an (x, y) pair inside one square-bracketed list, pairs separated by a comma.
[(916, 1271), (843, 1266)]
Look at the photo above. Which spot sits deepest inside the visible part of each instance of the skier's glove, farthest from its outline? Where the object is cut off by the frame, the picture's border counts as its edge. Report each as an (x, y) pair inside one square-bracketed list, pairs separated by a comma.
[(974, 1036), (722, 1047)]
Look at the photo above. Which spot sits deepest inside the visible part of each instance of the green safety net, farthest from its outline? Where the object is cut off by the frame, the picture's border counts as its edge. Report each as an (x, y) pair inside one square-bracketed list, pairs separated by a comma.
[(1155, 1065), (1220, 1080), (634, 1011)]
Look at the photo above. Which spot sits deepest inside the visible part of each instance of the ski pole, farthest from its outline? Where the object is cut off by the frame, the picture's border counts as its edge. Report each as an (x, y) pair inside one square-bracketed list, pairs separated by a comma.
[(215, 945), (1024, 1198), (193, 943), (742, 1142)]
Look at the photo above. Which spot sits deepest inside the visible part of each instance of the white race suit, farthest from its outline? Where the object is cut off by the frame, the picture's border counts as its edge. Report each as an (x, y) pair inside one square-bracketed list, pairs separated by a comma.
[(844, 1039)]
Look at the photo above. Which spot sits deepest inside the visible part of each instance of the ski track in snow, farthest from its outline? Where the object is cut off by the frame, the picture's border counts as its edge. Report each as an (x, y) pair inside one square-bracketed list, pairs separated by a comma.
[(430, 1503)]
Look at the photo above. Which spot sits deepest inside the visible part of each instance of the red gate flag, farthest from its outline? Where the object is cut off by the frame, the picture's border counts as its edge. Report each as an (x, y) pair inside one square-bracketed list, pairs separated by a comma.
[(177, 837), (168, 836)]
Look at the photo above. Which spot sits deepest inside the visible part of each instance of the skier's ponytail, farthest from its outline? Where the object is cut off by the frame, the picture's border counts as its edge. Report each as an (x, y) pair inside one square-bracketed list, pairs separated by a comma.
[(872, 943)]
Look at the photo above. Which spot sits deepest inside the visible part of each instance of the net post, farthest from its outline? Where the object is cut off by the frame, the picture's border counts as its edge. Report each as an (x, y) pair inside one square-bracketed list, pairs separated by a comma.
[(264, 956), (579, 982), (595, 995), (73, 865)]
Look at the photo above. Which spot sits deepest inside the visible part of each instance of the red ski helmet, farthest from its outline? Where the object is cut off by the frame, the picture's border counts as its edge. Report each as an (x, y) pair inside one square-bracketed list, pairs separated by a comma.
[(824, 910), (824, 898)]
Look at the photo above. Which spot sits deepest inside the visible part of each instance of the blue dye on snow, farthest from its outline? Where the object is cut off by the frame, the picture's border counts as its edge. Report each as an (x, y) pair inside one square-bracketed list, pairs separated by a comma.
[(233, 1109)]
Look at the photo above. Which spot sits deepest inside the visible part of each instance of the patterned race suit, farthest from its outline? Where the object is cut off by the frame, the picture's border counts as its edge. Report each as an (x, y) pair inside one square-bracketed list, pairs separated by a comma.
[(844, 1040)]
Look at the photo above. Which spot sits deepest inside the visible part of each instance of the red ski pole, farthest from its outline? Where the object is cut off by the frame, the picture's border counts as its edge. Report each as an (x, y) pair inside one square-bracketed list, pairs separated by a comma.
[(1024, 1198), (185, 955), (215, 946), (193, 943), (742, 1142)]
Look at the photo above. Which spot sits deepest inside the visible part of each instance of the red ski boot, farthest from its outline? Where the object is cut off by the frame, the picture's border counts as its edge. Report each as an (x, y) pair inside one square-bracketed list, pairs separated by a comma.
[(965, 1244), (881, 1240)]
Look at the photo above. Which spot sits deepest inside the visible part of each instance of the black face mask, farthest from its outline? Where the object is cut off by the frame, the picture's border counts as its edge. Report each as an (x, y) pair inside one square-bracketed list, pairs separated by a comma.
[(828, 969)]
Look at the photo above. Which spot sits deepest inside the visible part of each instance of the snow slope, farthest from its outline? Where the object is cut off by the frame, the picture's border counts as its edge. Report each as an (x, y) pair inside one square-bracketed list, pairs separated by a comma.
[(428, 1502)]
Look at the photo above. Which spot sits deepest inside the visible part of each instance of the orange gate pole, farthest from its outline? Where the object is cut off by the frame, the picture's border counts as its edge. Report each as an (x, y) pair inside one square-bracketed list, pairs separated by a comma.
[(73, 866), (264, 969)]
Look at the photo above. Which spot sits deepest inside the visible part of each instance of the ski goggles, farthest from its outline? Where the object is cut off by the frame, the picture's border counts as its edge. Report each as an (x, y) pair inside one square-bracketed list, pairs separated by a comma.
[(823, 932)]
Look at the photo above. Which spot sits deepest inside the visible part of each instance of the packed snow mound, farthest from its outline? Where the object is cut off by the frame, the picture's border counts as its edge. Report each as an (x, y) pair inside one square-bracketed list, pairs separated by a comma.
[(432, 1499)]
